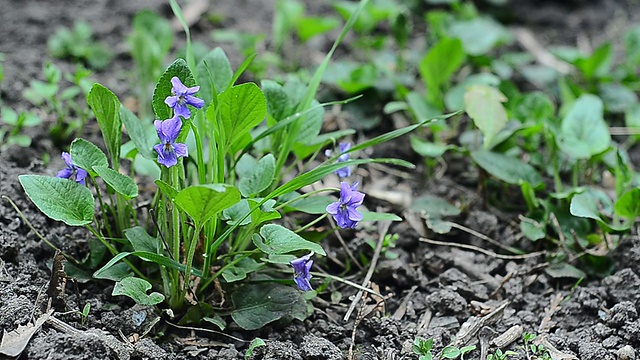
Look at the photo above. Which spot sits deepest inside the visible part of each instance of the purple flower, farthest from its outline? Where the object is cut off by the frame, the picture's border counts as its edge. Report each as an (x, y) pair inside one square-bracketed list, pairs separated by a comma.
[(342, 147), (71, 169), (168, 150), (344, 210), (183, 96), (301, 268)]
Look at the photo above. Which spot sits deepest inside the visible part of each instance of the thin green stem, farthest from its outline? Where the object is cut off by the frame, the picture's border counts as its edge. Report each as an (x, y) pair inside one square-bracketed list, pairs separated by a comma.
[(200, 153), (102, 208), (305, 196), (320, 218), (115, 252)]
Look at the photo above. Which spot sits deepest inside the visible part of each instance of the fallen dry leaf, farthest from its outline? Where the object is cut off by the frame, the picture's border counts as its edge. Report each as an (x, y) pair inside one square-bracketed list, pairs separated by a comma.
[(14, 342)]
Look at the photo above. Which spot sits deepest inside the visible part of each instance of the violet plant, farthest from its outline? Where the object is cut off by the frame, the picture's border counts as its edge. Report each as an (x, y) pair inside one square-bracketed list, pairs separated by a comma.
[(223, 151)]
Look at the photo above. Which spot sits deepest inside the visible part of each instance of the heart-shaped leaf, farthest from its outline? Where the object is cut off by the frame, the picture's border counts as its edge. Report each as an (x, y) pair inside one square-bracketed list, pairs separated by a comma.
[(202, 202), (136, 289), (60, 199)]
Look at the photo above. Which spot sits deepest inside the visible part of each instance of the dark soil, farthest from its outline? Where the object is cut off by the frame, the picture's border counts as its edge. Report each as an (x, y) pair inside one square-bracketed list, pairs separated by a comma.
[(432, 290)]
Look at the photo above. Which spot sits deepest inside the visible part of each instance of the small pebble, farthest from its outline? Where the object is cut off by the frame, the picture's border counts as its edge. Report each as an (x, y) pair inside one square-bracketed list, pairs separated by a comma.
[(626, 353)]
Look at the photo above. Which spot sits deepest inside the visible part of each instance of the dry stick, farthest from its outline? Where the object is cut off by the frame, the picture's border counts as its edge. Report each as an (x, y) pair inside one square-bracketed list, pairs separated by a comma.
[(486, 252), (383, 228), (526, 38), (479, 235), (344, 244), (206, 330), (44, 240)]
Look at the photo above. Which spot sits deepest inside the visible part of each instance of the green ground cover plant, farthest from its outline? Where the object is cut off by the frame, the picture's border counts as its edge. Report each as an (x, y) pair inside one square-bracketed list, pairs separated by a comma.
[(212, 221)]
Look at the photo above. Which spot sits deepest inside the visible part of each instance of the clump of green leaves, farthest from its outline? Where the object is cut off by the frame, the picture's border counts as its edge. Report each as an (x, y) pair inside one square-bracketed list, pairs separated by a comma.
[(499, 355), (424, 347), (61, 100), (78, 44), (149, 43), (225, 154), (534, 351), (12, 125)]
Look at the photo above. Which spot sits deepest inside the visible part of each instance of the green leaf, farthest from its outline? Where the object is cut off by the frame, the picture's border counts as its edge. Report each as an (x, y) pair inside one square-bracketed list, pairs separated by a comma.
[(202, 202), (598, 64), (214, 69), (583, 132), (167, 190), (257, 342), (617, 98), (308, 27), (116, 272), (450, 352), (368, 216), (628, 205), (564, 270), (278, 103), (585, 205), (532, 229), (242, 107), (632, 46), (153, 257), (454, 99), (434, 206), (280, 240), (484, 105), (237, 214), (163, 88), (141, 240), (137, 133), (106, 107), (60, 199), (256, 305), (240, 270), (438, 65), (428, 148), (136, 289), (122, 184), (86, 155), (261, 177), (479, 35), (310, 205), (535, 106), (506, 168)]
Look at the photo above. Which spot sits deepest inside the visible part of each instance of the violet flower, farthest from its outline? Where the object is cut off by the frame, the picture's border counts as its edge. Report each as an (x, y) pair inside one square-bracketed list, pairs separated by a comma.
[(71, 170), (168, 150), (345, 211), (301, 268), (342, 147), (183, 96)]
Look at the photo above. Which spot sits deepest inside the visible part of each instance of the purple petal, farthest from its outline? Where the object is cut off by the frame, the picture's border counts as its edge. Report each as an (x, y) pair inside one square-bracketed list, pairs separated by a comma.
[(342, 218), (303, 283), (178, 86), (344, 172), (356, 199), (181, 150), (171, 129), (67, 159), (192, 90), (344, 146), (65, 173), (168, 159), (354, 214), (194, 101), (182, 110), (345, 192), (158, 126), (333, 208), (171, 101), (354, 186), (81, 174)]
